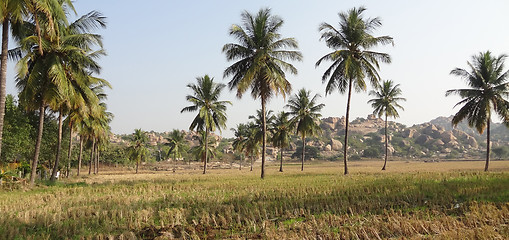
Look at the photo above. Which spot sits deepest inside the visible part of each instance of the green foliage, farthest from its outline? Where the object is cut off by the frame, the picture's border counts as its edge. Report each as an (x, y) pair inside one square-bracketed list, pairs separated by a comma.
[(18, 134), (501, 152), (372, 152), (312, 152)]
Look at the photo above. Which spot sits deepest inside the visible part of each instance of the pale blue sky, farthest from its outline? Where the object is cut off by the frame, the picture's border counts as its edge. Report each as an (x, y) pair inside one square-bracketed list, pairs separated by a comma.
[(155, 48)]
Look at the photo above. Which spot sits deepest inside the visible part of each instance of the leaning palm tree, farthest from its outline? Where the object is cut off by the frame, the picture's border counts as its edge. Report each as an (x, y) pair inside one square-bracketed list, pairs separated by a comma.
[(352, 58), (260, 56), (305, 112), (385, 103), (489, 86), (211, 111), (281, 133)]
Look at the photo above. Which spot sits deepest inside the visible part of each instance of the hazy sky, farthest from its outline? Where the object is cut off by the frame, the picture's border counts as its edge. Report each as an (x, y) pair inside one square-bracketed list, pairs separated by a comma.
[(156, 47)]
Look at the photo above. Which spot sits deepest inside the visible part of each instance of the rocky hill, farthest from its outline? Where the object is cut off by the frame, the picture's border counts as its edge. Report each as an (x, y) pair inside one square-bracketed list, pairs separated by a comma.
[(436, 139)]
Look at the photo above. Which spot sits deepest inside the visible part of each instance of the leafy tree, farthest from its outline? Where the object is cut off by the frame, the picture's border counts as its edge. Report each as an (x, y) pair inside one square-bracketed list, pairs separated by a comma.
[(281, 133), (489, 85), (260, 56), (205, 148), (305, 112), (385, 103), (211, 111), (17, 139), (352, 59)]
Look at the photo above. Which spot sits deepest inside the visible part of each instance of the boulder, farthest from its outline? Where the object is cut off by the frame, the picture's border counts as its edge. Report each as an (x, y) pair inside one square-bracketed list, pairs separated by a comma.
[(409, 133), (430, 129), (472, 142), (439, 142), (447, 137), (423, 139), (327, 148), (336, 145)]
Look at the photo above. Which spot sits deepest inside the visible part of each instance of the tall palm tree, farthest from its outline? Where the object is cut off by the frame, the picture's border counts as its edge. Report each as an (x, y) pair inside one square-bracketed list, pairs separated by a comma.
[(14, 12), (239, 143), (177, 143), (352, 59), (260, 56), (211, 111), (137, 148), (489, 86), (281, 133), (305, 112), (385, 103)]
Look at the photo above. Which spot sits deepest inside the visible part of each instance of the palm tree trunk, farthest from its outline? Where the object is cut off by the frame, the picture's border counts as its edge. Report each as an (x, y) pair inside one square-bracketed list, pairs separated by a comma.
[(240, 164), (487, 146), (69, 152), (386, 143), (303, 151), (345, 155), (59, 147), (42, 109), (3, 75), (264, 138), (281, 163), (251, 162), (38, 29), (206, 150), (91, 157), (97, 159), (80, 157), (137, 164)]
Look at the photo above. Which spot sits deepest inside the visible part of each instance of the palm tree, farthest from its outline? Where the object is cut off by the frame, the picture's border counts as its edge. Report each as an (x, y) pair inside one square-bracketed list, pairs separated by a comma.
[(137, 148), (239, 143), (306, 116), (62, 76), (205, 148), (177, 143), (352, 59), (489, 85), (385, 103), (211, 111), (252, 144), (260, 60), (14, 12), (281, 132)]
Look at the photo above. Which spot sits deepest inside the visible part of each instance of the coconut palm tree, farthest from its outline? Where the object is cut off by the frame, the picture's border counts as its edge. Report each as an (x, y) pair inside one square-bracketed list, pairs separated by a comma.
[(211, 111), (137, 148), (239, 143), (352, 59), (305, 116), (62, 76), (260, 54), (205, 148), (252, 144), (281, 133), (489, 86), (385, 103), (177, 143), (14, 12)]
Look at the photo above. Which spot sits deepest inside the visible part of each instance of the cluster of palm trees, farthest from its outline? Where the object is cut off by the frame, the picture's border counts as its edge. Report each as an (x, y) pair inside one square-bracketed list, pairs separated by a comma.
[(56, 64)]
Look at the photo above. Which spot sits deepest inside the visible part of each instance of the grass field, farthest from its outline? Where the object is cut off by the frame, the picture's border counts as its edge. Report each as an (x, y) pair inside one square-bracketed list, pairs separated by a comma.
[(414, 200)]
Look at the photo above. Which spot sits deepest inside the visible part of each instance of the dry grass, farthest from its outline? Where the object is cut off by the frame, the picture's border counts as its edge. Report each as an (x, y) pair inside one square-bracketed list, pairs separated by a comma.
[(410, 200)]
